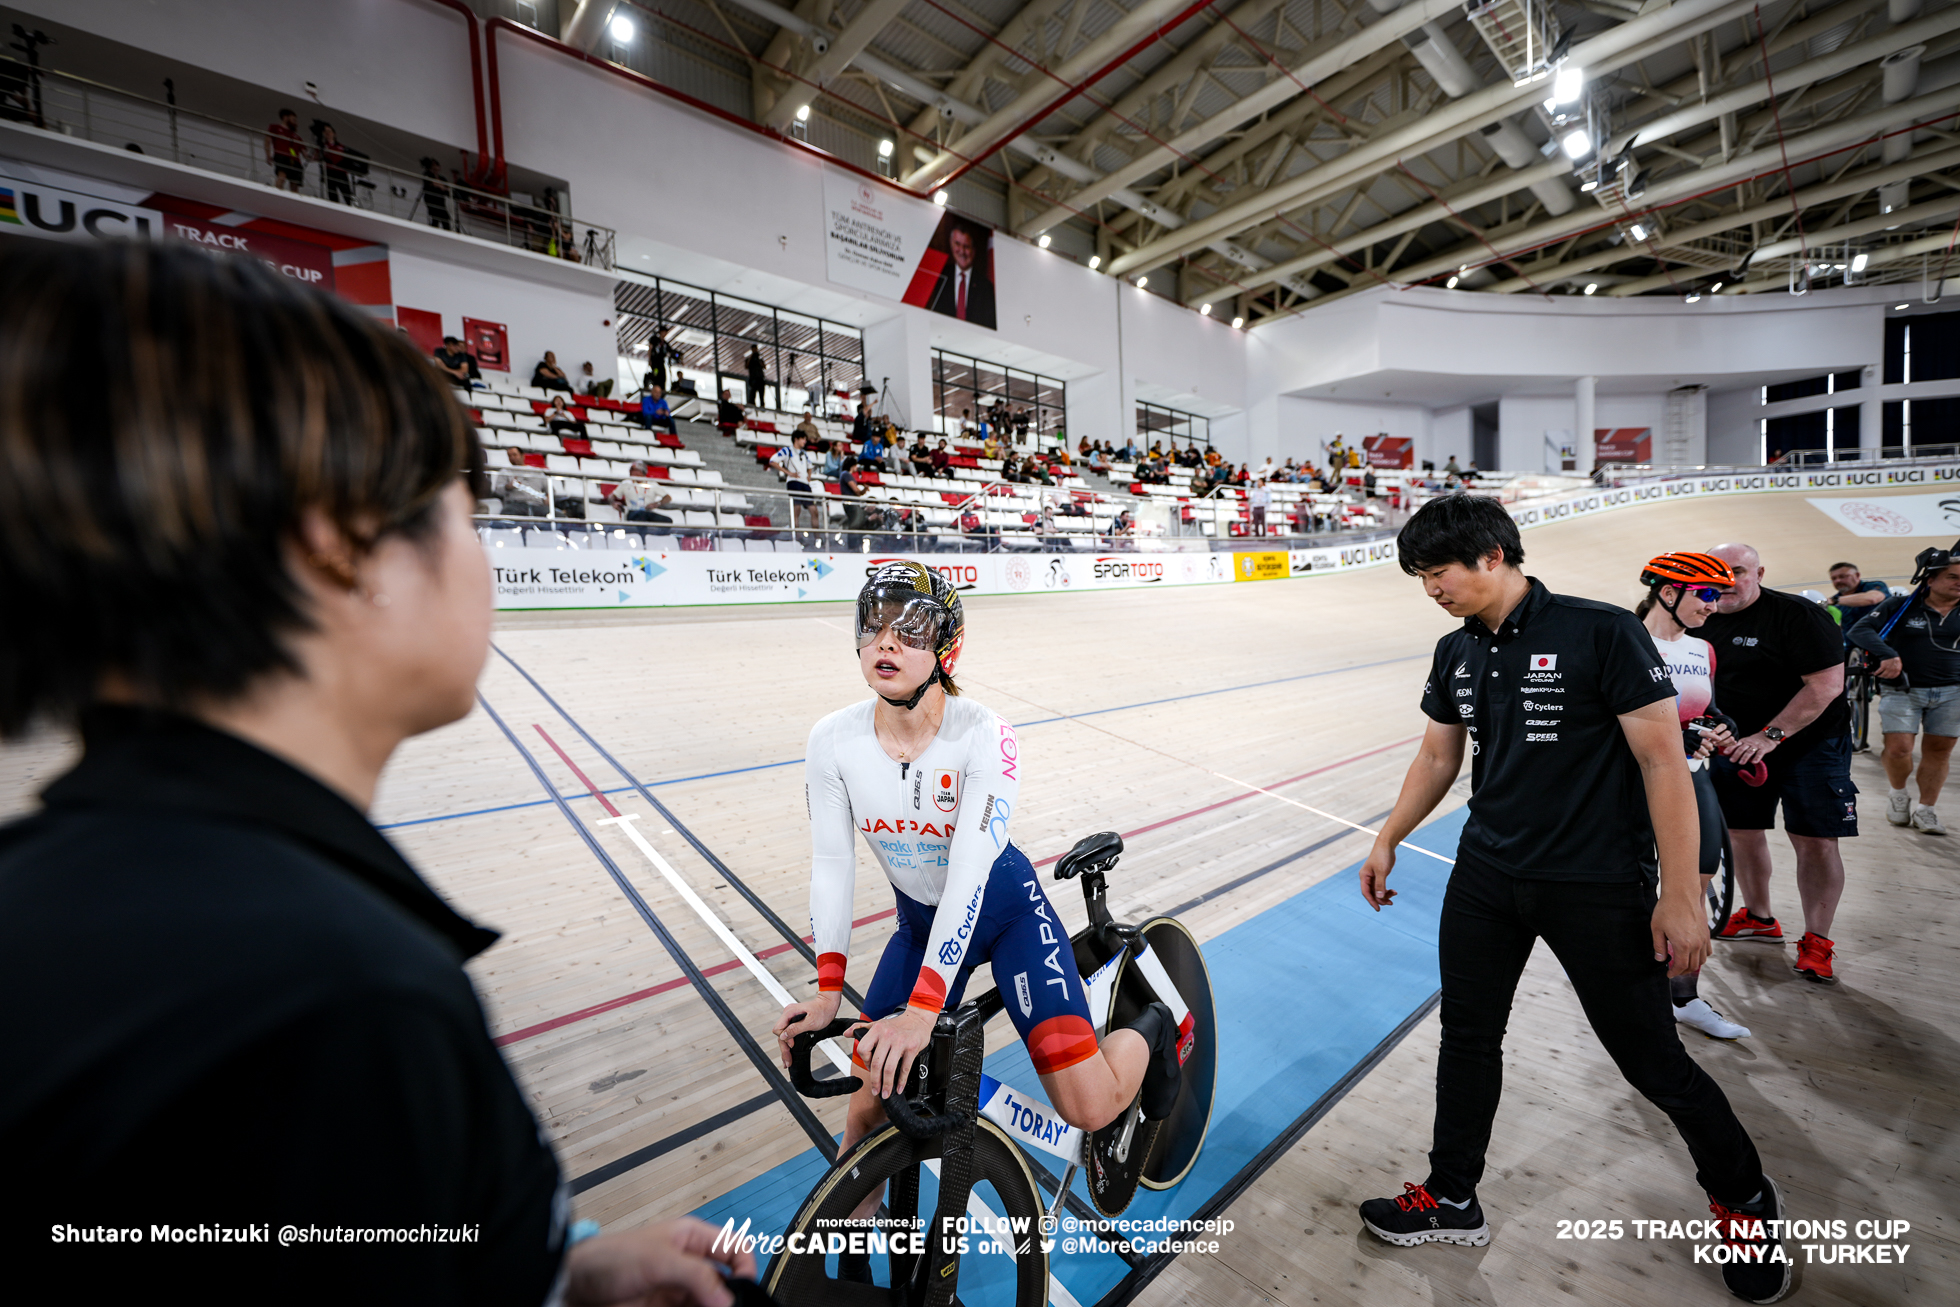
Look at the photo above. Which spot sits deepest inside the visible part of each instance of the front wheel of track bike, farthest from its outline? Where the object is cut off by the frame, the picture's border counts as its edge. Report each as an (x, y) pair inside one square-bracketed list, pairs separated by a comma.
[(1001, 1181), (1183, 1132)]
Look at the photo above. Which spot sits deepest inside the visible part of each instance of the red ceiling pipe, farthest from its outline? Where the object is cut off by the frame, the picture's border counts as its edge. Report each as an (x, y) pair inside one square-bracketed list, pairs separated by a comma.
[(1156, 34), (492, 26), (476, 73)]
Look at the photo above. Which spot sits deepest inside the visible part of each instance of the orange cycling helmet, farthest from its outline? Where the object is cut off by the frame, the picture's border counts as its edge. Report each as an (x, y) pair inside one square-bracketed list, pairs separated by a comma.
[(1687, 569)]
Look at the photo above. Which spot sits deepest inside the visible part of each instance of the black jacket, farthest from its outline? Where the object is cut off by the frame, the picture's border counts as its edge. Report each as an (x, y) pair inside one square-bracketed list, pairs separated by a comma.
[(979, 296), (235, 1006)]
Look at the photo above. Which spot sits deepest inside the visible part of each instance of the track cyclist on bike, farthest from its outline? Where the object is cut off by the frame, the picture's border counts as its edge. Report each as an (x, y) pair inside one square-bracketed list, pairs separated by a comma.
[(930, 780), (1682, 589)]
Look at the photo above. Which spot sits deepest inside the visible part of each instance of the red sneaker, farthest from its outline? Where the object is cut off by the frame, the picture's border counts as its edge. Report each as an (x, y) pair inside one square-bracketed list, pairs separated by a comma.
[(1744, 926), (1814, 959)]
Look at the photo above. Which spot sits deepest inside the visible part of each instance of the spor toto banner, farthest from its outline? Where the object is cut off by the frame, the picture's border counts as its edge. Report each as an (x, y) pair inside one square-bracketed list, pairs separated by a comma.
[(574, 578)]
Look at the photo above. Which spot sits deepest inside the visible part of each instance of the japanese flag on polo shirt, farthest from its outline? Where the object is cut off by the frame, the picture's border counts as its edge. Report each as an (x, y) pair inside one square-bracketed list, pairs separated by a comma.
[(1543, 662)]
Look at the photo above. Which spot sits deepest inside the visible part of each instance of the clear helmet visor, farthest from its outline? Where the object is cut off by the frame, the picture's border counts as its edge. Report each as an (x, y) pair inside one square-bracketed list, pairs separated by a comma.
[(915, 619)]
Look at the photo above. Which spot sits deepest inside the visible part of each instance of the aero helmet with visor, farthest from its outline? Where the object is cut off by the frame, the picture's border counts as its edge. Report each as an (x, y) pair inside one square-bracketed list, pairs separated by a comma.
[(1702, 575), (923, 611)]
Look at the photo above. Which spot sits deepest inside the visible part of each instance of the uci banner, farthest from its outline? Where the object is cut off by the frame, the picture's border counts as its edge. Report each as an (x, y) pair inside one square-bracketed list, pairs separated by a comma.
[(1927, 476)]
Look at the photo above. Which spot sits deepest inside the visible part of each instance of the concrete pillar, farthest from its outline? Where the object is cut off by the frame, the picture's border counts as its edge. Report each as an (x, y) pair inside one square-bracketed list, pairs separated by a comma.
[(900, 348), (1871, 415), (1582, 424)]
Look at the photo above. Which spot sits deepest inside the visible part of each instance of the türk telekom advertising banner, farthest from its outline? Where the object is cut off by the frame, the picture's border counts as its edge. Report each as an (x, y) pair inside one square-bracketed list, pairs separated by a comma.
[(576, 578), (879, 240)]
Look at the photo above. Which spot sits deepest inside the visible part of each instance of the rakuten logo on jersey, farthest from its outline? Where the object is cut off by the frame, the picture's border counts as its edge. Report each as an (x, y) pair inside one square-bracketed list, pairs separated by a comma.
[(1110, 568), (906, 826), (961, 576)]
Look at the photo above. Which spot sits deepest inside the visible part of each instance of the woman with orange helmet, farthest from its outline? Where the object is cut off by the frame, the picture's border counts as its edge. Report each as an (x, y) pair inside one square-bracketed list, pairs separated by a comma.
[(1682, 589)]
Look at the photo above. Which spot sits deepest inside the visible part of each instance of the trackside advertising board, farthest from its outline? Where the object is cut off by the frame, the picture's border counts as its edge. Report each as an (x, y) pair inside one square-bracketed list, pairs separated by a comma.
[(1925, 476), (576, 578)]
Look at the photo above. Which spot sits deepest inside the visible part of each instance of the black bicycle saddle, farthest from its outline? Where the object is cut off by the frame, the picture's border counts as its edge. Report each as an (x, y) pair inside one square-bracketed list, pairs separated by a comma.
[(1096, 852)]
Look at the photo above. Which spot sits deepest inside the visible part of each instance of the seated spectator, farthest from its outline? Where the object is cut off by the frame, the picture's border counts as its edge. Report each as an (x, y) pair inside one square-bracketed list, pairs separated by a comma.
[(1032, 472), (525, 492), (942, 459), (286, 153), (872, 455), (640, 499), (435, 196), (561, 421), (1083, 447), (833, 461), (1123, 524), (1050, 533), (1098, 461), (807, 428), (922, 459), (549, 376), (729, 416), (589, 383), (457, 363), (989, 447), (654, 411)]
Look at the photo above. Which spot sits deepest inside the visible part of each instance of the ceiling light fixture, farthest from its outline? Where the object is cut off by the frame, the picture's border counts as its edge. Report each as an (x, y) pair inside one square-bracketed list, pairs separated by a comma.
[(1591, 286), (1589, 185), (1451, 283), (1694, 299), (940, 197), (1044, 239), (1897, 307), (1095, 261), (1716, 289), (1205, 312), (803, 113), (1576, 144), (1638, 231), (885, 149), (622, 30), (1858, 263), (1142, 282), (1240, 322), (1568, 85)]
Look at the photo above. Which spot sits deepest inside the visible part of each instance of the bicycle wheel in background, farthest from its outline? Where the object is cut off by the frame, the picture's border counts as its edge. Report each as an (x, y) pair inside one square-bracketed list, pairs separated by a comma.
[(1720, 897), (1001, 1181), (1859, 695), (1183, 1131)]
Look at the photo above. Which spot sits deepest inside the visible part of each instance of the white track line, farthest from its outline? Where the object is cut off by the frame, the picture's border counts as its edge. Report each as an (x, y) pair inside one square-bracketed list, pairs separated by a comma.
[(1210, 771)]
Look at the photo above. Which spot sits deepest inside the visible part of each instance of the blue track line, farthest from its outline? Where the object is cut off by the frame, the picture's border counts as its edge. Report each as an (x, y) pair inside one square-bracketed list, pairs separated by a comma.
[(791, 762)]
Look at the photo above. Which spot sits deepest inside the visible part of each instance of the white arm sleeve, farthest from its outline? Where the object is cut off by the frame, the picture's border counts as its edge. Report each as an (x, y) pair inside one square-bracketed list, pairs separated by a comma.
[(989, 788), (833, 856)]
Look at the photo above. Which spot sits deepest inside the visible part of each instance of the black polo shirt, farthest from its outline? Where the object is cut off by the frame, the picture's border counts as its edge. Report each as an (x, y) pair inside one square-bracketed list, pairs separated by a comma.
[(1762, 655), (234, 1006), (1555, 789)]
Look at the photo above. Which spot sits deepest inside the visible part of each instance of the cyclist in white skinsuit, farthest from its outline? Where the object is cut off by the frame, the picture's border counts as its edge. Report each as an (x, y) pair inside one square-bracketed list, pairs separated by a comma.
[(931, 781)]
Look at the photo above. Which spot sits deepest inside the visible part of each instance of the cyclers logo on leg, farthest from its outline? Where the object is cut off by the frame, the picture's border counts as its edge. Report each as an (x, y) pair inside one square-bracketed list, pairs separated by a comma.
[(950, 951)]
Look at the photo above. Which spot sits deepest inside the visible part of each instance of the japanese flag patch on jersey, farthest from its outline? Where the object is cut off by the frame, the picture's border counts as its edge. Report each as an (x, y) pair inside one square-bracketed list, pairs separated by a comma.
[(946, 790), (1543, 662)]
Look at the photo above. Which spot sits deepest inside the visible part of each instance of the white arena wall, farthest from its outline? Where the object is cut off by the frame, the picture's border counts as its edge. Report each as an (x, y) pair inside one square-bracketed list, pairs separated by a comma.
[(709, 202)]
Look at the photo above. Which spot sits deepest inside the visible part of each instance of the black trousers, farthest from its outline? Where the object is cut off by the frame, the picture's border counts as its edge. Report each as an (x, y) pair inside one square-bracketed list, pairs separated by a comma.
[(753, 390), (1600, 935)]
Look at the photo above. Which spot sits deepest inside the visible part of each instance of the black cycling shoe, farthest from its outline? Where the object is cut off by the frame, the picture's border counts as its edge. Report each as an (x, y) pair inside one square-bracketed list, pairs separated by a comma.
[(854, 1268), (1416, 1217), (1163, 1077), (1759, 1270)]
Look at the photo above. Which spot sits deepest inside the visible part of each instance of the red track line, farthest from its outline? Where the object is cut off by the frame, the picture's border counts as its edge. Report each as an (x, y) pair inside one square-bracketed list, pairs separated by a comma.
[(583, 779), (623, 1000)]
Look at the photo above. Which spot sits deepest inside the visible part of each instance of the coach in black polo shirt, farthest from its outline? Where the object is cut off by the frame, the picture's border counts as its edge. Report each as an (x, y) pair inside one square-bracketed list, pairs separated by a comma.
[(1576, 762)]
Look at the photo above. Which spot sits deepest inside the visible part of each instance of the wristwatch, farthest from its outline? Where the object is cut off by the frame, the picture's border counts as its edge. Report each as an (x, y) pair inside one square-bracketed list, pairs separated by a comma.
[(1775, 734)]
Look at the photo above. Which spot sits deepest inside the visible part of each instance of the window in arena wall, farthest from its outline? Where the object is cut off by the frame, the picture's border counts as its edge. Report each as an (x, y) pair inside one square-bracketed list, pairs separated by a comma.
[(1159, 425), (803, 357), (965, 389)]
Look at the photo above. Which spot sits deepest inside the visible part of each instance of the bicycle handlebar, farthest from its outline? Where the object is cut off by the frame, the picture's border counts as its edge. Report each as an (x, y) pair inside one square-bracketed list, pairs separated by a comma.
[(910, 1120), (799, 1062), (915, 1124)]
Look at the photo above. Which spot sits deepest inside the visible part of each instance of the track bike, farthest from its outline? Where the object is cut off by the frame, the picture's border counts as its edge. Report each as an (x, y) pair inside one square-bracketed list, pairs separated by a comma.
[(976, 1133)]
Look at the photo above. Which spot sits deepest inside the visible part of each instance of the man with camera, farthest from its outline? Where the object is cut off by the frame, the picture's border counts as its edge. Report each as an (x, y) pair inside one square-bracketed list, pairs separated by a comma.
[(1916, 638)]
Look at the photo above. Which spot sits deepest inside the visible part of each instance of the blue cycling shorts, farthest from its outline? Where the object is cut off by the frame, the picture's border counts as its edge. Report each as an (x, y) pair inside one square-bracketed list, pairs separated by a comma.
[(1021, 934)]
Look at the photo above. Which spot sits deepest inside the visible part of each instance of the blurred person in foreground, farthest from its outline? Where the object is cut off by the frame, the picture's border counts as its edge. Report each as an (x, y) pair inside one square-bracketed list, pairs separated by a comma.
[(239, 511)]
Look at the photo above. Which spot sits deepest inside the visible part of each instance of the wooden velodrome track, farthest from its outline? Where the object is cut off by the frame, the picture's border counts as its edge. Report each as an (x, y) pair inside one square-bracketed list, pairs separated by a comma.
[(1155, 713)]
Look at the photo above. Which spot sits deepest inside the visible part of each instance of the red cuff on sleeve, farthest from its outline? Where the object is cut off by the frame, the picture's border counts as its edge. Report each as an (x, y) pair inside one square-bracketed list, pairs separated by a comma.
[(830, 973), (929, 993)]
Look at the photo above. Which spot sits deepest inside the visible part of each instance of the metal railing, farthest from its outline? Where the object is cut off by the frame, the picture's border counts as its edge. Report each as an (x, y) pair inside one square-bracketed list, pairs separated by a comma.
[(67, 105)]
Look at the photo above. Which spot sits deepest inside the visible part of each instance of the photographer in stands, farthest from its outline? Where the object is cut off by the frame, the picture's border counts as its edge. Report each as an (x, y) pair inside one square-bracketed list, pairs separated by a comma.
[(1916, 638), (240, 510)]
